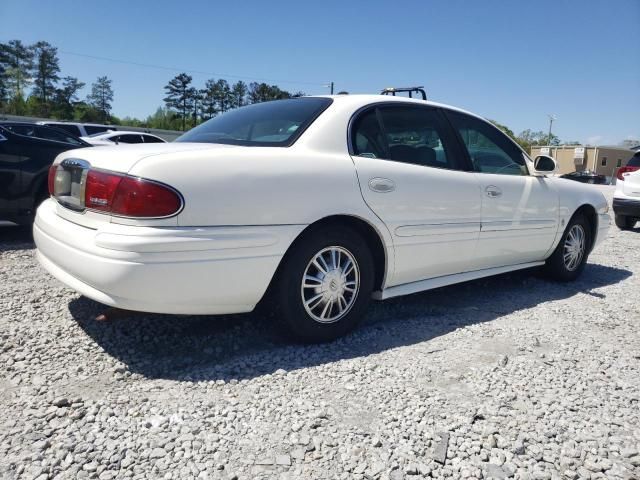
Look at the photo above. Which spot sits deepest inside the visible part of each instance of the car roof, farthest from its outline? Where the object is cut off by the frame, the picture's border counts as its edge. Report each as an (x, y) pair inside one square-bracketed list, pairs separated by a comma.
[(363, 100), (122, 132)]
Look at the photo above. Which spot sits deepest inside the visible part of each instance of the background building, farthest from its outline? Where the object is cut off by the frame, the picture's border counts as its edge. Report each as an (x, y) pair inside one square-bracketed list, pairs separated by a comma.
[(571, 158)]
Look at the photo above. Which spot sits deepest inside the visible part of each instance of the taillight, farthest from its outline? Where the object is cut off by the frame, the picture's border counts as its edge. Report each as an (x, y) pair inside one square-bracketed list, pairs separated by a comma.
[(51, 180), (623, 170), (99, 190), (129, 196)]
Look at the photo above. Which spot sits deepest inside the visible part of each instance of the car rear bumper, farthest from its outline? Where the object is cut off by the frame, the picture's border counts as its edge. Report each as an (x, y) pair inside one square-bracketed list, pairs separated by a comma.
[(180, 270), (626, 207)]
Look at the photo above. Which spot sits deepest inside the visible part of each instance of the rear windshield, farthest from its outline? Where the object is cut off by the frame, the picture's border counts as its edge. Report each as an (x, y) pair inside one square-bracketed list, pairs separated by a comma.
[(635, 161), (270, 124), (97, 129), (72, 129)]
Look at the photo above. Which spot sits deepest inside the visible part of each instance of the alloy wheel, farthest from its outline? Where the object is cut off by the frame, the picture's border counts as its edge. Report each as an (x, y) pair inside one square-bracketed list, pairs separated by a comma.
[(574, 247), (330, 284)]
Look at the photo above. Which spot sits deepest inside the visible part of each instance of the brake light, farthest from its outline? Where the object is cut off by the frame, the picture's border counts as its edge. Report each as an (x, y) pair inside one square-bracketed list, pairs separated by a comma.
[(100, 189), (130, 196), (51, 179), (626, 169)]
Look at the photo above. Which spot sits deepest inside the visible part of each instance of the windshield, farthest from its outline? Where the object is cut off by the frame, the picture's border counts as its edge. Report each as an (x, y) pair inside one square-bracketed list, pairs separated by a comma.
[(278, 123)]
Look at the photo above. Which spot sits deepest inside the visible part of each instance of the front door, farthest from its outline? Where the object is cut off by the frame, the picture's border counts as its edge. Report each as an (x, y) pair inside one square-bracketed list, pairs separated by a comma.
[(408, 167), (519, 212)]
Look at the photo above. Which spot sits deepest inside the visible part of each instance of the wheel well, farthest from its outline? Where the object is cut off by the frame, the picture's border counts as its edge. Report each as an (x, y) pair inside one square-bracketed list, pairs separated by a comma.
[(592, 217), (369, 234)]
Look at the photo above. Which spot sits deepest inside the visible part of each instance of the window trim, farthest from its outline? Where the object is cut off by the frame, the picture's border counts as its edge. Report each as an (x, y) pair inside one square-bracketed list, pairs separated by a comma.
[(460, 163), (465, 152)]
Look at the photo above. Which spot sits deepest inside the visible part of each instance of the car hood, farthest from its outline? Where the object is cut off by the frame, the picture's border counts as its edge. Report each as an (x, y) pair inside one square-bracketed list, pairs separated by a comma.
[(122, 157)]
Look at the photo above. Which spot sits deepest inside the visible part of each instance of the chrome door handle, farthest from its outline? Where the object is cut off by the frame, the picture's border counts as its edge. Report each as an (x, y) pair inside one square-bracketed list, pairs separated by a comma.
[(493, 191), (382, 185)]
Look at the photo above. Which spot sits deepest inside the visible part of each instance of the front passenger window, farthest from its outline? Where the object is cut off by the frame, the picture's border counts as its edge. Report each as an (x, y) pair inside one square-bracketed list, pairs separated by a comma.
[(489, 149)]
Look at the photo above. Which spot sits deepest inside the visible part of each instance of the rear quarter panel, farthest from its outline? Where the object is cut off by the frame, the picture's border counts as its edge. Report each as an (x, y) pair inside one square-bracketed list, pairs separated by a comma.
[(259, 185)]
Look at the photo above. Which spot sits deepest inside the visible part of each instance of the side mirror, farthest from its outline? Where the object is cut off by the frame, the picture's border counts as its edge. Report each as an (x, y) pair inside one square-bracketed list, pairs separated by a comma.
[(544, 164)]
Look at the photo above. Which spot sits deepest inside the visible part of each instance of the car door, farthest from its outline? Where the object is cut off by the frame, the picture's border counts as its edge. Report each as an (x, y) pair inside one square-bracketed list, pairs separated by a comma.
[(520, 212), (410, 175)]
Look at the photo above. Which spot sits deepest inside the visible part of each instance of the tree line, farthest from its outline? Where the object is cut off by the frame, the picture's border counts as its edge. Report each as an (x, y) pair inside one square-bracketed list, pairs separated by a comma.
[(529, 138), (193, 105), (30, 84)]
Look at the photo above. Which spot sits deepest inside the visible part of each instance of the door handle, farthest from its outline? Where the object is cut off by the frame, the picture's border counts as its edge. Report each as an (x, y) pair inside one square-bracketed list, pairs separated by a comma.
[(382, 185), (493, 191)]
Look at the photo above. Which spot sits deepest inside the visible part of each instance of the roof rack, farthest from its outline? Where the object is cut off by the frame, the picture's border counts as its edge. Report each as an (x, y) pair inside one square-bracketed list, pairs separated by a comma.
[(410, 90)]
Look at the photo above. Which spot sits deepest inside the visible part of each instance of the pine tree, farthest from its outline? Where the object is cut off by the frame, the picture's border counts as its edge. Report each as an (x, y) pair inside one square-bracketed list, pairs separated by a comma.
[(239, 93), (45, 71), (16, 64), (179, 96), (66, 97), (101, 97)]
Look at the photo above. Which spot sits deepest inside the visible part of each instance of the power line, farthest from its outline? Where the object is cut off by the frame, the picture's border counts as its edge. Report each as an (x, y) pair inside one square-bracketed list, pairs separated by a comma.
[(200, 72)]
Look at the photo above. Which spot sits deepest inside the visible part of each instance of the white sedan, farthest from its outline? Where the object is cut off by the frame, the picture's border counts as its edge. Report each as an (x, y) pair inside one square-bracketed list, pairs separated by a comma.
[(119, 136), (318, 204)]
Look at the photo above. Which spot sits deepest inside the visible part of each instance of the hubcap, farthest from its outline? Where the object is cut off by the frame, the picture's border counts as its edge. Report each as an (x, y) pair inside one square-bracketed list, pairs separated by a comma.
[(330, 284), (574, 246)]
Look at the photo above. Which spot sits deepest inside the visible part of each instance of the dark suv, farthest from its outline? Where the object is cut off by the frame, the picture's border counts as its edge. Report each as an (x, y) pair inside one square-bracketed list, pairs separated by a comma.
[(27, 151)]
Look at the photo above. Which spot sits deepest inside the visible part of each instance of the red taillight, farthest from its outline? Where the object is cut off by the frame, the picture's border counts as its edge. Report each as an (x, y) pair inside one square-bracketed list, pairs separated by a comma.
[(51, 180), (129, 196), (622, 170)]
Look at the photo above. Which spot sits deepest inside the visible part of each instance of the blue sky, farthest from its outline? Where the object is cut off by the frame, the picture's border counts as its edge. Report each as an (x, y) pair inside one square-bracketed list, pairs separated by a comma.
[(512, 61)]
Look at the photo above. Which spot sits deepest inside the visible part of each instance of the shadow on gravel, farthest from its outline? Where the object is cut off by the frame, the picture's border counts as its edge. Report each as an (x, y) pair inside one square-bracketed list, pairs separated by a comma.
[(14, 237), (195, 348)]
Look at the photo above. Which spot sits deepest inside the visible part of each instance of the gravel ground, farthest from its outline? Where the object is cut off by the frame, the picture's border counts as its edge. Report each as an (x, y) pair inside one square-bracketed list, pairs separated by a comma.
[(508, 377)]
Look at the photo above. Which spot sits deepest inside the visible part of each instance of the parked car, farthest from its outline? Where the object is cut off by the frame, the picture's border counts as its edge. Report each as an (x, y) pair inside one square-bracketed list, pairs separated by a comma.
[(315, 205), (626, 199), (586, 176), (27, 151), (111, 138), (80, 129)]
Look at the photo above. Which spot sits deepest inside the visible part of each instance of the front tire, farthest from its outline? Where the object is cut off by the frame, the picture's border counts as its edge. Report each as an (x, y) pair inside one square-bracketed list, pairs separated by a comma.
[(324, 284), (570, 256), (624, 223)]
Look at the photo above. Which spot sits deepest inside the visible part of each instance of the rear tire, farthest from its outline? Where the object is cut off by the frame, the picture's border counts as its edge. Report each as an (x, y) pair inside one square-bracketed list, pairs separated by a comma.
[(624, 223), (570, 256), (324, 284)]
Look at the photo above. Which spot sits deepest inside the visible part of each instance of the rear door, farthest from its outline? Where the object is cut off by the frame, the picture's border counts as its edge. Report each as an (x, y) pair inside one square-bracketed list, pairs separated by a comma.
[(409, 169), (519, 212)]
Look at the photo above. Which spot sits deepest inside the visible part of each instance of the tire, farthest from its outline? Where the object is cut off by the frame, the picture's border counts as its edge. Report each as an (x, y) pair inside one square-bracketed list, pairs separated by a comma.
[(570, 256), (624, 223), (335, 302)]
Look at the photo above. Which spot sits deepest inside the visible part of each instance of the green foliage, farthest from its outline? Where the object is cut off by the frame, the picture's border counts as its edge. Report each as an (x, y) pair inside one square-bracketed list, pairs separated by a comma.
[(529, 138), (180, 96), (45, 74), (66, 97), (101, 97), (17, 64)]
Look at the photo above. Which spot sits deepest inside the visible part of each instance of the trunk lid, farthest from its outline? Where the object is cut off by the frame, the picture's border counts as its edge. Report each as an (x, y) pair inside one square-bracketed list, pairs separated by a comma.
[(73, 166)]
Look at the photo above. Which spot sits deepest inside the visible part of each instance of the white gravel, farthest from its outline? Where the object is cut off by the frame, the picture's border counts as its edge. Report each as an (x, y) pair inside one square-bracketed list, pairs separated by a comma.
[(509, 377)]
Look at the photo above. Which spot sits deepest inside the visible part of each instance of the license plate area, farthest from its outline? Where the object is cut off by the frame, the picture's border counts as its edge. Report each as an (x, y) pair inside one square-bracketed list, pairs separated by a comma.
[(70, 183)]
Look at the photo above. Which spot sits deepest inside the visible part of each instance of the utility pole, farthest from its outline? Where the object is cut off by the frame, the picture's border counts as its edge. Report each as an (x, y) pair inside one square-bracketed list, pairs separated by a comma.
[(330, 85), (551, 119)]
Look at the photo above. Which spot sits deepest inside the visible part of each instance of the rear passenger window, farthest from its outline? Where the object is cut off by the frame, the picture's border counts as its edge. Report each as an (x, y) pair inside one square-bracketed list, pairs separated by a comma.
[(129, 138), (404, 134), (151, 139)]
